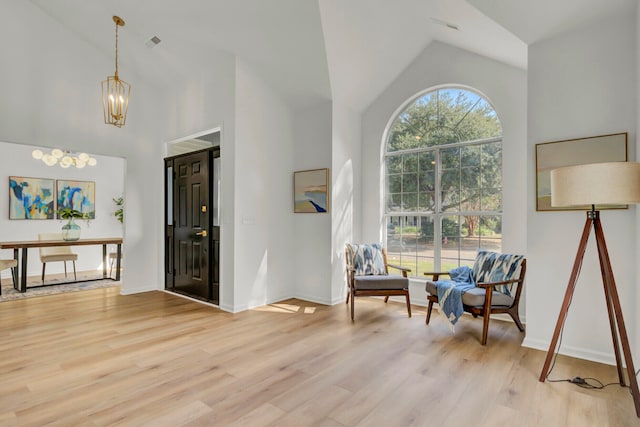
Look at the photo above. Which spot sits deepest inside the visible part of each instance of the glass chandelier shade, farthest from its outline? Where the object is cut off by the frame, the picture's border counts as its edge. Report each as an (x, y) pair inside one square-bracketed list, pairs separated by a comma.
[(115, 92), (64, 158)]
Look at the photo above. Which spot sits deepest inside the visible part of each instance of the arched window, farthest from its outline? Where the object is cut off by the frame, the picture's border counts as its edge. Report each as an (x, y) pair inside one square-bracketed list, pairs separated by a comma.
[(443, 175)]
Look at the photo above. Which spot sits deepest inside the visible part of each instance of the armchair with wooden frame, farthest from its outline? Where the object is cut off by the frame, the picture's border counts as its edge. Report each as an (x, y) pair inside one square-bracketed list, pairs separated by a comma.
[(498, 278), (368, 275)]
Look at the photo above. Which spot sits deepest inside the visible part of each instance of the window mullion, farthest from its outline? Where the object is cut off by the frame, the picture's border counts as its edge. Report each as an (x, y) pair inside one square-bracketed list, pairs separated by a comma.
[(437, 219)]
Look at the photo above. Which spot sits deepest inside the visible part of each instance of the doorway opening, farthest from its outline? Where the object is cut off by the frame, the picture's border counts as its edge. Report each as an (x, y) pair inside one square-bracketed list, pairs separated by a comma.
[(192, 217)]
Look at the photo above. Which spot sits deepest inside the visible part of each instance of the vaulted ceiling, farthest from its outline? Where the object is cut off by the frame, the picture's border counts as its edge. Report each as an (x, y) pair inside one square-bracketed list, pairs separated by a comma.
[(310, 50)]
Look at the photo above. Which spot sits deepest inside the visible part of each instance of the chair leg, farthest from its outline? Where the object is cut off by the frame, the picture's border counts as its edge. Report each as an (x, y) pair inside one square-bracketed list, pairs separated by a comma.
[(487, 313), (65, 269), (408, 303), (44, 264), (353, 299), (14, 276), (386, 298), (75, 278), (111, 266), (348, 295), (516, 318), (429, 312)]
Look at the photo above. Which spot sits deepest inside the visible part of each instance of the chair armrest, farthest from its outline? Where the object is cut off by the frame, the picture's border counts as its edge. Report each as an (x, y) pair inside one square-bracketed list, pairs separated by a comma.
[(404, 270), (494, 284), (435, 275)]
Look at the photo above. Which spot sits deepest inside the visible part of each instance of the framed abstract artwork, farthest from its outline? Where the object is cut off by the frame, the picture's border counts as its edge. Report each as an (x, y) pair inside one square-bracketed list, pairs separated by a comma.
[(78, 195), (31, 198), (572, 152), (310, 191)]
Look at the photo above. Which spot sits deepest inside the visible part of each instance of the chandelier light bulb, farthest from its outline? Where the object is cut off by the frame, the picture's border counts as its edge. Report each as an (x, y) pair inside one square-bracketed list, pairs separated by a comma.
[(83, 156), (57, 153), (37, 154), (92, 161)]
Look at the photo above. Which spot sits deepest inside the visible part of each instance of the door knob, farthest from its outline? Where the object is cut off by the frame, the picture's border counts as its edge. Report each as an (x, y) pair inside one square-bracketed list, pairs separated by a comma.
[(203, 233)]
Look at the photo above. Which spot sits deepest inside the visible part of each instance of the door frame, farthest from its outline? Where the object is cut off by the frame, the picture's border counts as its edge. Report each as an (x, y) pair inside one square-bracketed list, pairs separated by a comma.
[(169, 257)]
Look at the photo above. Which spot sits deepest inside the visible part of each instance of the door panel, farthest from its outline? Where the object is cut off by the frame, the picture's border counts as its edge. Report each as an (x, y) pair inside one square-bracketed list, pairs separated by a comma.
[(190, 234)]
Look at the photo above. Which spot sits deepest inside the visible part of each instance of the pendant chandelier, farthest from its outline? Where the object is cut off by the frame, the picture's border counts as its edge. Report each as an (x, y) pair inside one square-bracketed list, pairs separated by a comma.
[(115, 92), (64, 158)]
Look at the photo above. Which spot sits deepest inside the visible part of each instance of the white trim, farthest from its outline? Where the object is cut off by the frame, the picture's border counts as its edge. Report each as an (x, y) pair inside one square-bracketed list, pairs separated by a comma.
[(578, 352)]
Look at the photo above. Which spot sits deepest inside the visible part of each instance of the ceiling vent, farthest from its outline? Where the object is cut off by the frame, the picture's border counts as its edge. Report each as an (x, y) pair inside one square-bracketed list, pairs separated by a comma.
[(152, 42), (445, 23)]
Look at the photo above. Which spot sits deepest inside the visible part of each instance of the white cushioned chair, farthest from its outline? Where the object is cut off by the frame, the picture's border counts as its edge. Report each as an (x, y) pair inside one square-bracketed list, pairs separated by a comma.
[(56, 253), (368, 274), (12, 264), (498, 279)]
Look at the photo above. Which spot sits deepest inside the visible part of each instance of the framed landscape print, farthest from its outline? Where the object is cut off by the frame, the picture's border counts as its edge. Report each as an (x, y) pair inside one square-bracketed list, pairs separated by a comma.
[(78, 195), (572, 152), (31, 198), (310, 190)]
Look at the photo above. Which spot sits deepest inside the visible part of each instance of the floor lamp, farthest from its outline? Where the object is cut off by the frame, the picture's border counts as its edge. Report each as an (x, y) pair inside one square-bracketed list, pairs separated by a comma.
[(616, 183)]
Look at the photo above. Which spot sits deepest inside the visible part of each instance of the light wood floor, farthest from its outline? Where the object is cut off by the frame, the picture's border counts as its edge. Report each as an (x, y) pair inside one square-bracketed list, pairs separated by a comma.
[(99, 358)]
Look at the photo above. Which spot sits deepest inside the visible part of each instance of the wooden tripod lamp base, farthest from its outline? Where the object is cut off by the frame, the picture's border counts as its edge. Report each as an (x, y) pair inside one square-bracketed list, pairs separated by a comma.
[(600, 183)]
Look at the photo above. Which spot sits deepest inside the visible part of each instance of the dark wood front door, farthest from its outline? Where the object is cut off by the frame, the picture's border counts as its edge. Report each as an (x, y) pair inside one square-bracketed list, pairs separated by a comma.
[(192, 242)]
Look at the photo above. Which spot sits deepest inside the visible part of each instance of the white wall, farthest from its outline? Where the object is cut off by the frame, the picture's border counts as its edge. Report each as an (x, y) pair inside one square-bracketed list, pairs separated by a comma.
[(263, 194), (582, 83), (504, 86), (206, 100), (108, 175), (346, 192), (312, 232), (53, 99)]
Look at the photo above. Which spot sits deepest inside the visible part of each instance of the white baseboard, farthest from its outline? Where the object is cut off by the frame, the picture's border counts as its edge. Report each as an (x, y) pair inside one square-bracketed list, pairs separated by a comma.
[(137, 290), (578, 352)]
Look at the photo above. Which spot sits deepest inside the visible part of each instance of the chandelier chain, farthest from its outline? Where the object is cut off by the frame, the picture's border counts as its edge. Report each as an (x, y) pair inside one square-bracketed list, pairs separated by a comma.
[(116, 75)]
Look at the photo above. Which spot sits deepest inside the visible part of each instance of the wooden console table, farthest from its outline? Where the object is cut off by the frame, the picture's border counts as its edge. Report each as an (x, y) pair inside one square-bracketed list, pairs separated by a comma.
[(26, 244)]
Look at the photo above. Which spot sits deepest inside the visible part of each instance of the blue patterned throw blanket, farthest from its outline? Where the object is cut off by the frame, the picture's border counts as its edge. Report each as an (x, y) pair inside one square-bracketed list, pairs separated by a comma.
[(450, 293)]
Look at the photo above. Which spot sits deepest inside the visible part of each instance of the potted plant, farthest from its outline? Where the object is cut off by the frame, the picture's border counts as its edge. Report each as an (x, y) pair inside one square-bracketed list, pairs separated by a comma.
[(71, 230), (119, 213)]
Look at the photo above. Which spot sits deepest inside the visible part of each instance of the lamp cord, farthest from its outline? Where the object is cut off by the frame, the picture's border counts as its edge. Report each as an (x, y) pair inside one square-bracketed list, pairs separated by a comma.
[(583, 382)]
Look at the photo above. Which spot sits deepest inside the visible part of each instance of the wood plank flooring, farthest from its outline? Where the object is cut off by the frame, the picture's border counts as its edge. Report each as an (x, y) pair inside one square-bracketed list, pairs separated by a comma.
[(97, 358)]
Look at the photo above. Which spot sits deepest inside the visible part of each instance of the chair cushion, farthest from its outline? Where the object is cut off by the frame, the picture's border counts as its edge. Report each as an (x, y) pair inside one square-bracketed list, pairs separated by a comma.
[(483, 265), (366, 258), (58, 257), (391, 281), (475, 297), (7, 263), (505, 267)]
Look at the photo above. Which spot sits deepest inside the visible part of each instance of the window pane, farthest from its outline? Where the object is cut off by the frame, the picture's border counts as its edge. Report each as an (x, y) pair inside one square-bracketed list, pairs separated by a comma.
[(491, 165), (470, 156), (410, 202), (426, 201), (491, 233), (427, 162), (394, 183), (450, 158), (409, 182), (491, 199), (410, 163), (394, 202), (394, 164), (470, 199)]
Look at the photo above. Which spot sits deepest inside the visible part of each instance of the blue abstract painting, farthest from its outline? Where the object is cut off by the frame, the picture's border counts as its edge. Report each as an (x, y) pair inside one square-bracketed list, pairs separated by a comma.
[(30, 198), (310, 191), (78, 195)]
